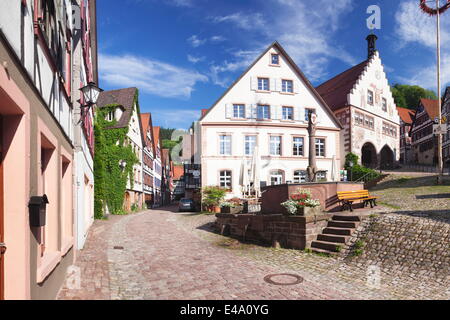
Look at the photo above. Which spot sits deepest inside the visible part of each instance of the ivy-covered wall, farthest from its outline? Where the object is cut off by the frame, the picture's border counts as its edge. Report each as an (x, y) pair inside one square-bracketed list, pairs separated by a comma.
[(111, 148)]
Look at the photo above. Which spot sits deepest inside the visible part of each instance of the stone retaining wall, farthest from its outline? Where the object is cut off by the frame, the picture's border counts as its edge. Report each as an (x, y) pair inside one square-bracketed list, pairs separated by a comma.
[(294, 232), (397, 242)]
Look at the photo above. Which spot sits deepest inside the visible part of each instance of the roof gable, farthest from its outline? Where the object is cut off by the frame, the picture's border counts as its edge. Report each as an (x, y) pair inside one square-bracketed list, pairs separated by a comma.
[(275, 45), (431, 107), (124, 98), (407, 115)]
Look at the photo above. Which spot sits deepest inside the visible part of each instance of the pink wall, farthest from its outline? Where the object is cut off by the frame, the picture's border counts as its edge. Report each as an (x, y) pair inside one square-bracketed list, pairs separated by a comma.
[(15, 110)]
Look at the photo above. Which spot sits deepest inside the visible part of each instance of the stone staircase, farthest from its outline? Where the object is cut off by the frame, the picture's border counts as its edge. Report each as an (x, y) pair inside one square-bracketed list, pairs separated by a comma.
[(335, 236)]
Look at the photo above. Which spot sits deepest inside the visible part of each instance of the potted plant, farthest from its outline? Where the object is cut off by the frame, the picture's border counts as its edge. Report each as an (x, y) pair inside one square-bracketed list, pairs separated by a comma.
[(212, 197), (301, 203), (231, 207)]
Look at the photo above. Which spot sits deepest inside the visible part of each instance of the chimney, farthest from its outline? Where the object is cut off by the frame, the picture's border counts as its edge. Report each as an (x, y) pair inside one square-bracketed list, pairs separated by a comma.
[(371, 45)]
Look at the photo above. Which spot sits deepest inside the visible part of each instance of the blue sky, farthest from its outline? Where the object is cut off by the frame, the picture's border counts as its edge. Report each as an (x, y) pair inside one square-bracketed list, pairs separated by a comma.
[(183, 54)]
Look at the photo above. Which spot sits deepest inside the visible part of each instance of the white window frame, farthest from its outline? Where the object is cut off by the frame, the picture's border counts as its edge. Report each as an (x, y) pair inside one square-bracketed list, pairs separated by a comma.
[(300, 178), (275, 145), (262, 115), (384, 104), (295, 147), (239, 111), (225, 139), (278, 175), (320, 147), (307, 110), (278, 59), (285, 87), (226, 179), (261, 82), (285, 114), (251, 145), (370, 97)]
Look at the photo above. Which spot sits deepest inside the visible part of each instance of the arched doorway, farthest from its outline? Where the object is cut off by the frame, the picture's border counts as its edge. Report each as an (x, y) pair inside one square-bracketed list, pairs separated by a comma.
[(369, 155), (387, 158)]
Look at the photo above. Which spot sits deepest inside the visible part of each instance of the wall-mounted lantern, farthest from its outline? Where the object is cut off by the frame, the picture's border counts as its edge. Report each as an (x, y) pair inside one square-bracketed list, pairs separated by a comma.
[(90, 93), (37, 208)]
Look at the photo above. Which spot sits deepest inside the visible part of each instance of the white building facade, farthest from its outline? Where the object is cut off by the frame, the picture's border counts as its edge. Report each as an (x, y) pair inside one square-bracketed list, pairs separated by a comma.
[(267, 107)]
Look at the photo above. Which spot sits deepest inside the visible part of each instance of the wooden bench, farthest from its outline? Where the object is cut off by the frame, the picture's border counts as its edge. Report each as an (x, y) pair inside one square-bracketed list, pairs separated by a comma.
[(346, 198)]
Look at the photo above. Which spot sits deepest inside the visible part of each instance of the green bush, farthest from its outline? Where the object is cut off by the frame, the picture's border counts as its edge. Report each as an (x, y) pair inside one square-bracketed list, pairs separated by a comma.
[(358, 171), (213, 195)]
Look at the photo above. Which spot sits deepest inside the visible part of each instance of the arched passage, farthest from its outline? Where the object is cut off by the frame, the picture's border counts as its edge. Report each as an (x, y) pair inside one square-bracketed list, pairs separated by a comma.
[(369, 155), (386, 158)]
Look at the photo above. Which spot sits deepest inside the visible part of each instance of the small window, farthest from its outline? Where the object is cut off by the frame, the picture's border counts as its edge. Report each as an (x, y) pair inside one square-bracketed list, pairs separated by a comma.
[(250, 143), (110, 116), (225, 145), (288, 113), (275, 59), (298, 143), (275, 145), (370, 97), (225, 179), (263, 112), (239, 111), (320, 147), (263, 84), (287, 86), (308, 112), (384, 106), (300, 176)]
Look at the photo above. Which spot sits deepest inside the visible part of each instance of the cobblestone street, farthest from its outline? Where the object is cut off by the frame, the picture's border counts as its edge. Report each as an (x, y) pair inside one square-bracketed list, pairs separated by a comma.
[(160, 254)]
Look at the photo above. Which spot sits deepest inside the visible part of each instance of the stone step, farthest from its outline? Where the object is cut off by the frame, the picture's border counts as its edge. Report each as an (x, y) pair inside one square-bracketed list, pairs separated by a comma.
[(327, 252), (338, 217), (342, 224), (339, 231), (332, 238), (330, 246)]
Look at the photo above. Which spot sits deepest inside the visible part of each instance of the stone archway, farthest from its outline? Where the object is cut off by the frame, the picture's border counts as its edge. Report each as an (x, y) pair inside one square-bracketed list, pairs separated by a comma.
[(387, 158), (369, 155)]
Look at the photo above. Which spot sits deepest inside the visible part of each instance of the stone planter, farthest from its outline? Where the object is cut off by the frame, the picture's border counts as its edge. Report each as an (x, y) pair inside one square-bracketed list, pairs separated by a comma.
[(308, 211), (232, 210)]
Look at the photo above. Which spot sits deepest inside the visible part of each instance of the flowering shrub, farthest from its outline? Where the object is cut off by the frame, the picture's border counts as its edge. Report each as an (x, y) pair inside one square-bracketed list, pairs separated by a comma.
[(227, 204), (300, 199)]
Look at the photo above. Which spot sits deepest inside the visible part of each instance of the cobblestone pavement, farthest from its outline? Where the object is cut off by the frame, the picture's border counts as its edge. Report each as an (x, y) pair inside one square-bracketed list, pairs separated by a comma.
[(159, 254)]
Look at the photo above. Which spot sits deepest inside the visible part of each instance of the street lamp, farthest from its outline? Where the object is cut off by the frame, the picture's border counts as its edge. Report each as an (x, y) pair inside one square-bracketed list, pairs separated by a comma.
[(90, 93)]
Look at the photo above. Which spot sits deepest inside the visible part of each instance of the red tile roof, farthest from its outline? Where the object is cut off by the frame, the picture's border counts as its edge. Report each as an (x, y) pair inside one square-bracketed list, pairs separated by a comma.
[(335, 90), (145, 117), (431, 107), (406, 115), (178, 172), (204, 111)]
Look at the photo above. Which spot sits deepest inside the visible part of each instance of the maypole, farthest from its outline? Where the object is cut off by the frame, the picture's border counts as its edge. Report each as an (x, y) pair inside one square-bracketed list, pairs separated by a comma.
[(437, 12)]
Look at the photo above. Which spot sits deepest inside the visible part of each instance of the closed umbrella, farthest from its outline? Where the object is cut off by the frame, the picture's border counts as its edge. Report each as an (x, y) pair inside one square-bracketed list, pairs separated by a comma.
[(244, 177), (256, 168)]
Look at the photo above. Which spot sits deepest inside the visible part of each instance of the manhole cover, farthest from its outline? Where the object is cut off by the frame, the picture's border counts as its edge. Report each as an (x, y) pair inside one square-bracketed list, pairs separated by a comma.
[(118, 247), (283, 279)]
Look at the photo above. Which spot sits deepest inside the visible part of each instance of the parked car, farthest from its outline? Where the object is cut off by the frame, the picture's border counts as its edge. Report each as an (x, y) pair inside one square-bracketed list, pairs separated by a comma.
[(186, 204)]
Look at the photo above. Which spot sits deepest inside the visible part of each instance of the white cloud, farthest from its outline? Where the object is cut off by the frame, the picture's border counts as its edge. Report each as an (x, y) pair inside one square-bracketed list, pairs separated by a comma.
[(175, 117), (196, 41), (243, 20), (217, 39), (414, 26), (152, 76), (305, 28), (195, 59)]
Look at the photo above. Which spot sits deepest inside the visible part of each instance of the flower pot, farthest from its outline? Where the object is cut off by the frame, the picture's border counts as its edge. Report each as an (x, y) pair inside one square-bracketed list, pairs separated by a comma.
[(309, 211), (216, 209)]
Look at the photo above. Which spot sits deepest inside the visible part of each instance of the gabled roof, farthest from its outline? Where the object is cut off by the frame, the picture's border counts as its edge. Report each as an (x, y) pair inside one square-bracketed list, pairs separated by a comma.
[(295, 67), (155, 133), (165, 157), (335, 90), (146, 120), (407, 115), (121, 97), (431, 107)]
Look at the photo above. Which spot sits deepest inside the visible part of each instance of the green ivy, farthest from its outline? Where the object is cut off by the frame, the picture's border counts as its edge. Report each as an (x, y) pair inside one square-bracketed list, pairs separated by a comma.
[(110, 150)]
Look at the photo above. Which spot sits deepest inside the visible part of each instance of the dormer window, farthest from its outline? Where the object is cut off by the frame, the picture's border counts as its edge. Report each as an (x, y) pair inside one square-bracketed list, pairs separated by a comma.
[(275, 59), (110, 116)]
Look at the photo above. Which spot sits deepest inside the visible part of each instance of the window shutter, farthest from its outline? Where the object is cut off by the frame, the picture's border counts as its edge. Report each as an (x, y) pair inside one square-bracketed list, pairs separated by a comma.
[(280, 112), (277, 85), (272, 84), (297, 113), (254, 108), (253, 83), (228, 111), (296, 85), (273, 112), (248, 111)]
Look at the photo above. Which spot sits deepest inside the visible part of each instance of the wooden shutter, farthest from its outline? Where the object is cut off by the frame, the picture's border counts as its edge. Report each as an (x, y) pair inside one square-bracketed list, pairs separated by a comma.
[(248, 111), (253, 83), (296, 85), (273, 112), (228, 111), (254, 109), (272, 84), (297, 113)]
